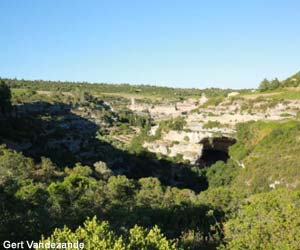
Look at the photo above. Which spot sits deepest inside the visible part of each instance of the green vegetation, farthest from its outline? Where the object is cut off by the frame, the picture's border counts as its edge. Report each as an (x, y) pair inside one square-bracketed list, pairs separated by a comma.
[(212, 124), (286, 94), (214, 101), (269, 85), (221, 174), (293, 81), (269, 221), (269, 151), (45, 198), (97, 235), (176, 124), (111, 90), (72, 155)]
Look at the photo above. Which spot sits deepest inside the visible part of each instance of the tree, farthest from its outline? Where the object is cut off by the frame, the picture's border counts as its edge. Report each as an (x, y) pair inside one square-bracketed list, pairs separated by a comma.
[(221, 173), (72, 199), (5, 97), (150, 193), (264, 85), (98, 235), (275, 84), (152, 239), (269, 85), (121, 190)]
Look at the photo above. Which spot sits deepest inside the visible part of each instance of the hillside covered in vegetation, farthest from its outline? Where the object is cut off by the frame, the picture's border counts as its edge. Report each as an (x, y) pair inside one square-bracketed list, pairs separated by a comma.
[(143, 167)]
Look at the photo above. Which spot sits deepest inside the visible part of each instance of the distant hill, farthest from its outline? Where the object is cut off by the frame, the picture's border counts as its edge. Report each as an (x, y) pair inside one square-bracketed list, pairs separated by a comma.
[(292, 81)]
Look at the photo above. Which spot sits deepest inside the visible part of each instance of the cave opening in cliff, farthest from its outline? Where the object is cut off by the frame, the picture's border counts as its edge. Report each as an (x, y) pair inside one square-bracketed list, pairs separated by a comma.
[(215, 149)]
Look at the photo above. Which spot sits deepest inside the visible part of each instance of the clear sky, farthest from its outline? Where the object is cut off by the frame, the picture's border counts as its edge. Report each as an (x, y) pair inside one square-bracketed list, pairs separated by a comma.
[(165, 42)]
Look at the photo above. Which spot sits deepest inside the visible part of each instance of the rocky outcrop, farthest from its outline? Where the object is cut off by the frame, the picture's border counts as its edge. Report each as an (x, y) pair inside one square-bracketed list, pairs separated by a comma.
[(225, 116), (187, 144)]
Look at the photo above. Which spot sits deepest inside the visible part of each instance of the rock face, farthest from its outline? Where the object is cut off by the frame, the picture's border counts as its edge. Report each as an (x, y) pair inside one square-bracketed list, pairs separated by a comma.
[(188, 144), (215, 121), (164, 111), (189, 151), (61, 131)]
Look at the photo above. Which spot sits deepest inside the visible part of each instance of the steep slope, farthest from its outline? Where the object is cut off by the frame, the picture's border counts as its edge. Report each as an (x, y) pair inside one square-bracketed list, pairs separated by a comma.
[(268, 153), (292, 81)]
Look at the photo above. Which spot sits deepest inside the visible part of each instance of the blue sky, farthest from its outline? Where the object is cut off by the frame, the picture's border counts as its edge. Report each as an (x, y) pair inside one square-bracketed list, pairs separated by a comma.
[(163, 42)]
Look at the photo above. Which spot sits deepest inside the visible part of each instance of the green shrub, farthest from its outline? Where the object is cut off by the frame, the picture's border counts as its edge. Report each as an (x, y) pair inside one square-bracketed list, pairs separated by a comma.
[(270, 221), (212, 124)]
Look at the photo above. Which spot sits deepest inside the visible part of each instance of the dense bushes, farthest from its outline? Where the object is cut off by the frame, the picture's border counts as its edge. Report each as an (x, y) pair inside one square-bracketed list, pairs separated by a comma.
[(96, 235), (269, 222), (221, 173), (267, 152), (269, 85), (41, 198)]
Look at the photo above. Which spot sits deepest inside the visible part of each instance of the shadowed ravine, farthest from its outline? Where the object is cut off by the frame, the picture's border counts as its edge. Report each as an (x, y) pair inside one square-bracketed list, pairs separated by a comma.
[(52, 130)]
